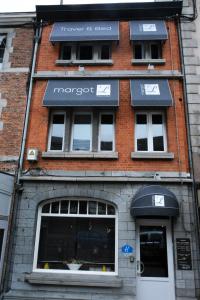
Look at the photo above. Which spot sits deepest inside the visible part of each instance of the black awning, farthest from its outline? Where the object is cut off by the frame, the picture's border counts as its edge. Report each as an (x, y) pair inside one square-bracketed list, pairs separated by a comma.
[(82, 93), (154, 200), (148, 30), (85, 31), (150, 92)]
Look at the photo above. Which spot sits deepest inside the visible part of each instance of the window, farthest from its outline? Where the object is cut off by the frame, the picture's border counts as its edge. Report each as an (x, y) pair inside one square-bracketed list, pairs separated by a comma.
[(76, 236), (150, 132), (85, 52), (147, 50), (81, 131), (2, 47)]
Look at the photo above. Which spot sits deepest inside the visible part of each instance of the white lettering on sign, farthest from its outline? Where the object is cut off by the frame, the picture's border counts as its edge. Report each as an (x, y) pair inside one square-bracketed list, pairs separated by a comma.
[(151, 89), (87, 28), (149, 27), (103, 90), (159, 200), (76, 91)]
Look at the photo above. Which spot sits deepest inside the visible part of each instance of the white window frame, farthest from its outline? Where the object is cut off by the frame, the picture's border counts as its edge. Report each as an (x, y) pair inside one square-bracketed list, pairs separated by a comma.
[(51, 128), (99, 130), (37, 237), (1, 64), (149, 131), (72, 131)]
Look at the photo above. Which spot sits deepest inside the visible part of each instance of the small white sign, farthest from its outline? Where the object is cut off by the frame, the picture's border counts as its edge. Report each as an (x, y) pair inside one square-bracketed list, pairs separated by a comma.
[(151, 89), (103, 90), (159, 200), (149, 27)]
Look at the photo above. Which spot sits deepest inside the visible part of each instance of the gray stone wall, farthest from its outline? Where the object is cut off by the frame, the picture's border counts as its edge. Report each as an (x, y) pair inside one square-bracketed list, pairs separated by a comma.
[(191, 51), (121, 195)]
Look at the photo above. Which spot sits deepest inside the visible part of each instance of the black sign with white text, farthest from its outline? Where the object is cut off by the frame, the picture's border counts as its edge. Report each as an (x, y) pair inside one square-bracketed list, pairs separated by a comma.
[(184, 257)]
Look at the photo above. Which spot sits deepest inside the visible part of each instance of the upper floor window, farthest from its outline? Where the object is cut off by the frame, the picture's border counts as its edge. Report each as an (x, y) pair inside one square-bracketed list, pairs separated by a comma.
[(76, 236), (147, 50), (82, 131), (150, 132), (2, 47), (85, 52)]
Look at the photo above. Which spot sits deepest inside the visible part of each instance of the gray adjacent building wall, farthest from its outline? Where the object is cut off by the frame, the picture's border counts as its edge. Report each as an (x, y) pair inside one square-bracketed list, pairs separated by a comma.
[(118, 193), (191, 50)]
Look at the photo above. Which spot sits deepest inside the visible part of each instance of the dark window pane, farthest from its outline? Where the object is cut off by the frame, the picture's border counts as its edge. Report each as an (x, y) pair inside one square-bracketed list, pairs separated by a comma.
[(92, 207), (141, 132), (46, 208), (73, 207), (88, 242), (57, 132), (66, 52), (82, 133), (155, 51), (1, 240), (105, 52), (2, 49), (83, 207), (106, 133), (153, 251), (138, 52), (85, 52), (158, 132), (110, 210), (64, 207), (101, 209), (54, 207)]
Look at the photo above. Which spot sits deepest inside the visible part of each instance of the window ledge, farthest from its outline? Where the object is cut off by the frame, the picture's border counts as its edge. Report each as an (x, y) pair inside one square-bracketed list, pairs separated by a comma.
[(74, 280), (63, 62), (148, 61), (151, 155), (90, 155)]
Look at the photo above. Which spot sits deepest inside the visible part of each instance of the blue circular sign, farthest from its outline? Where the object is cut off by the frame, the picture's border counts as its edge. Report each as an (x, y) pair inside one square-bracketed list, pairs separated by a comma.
[(127, 249)]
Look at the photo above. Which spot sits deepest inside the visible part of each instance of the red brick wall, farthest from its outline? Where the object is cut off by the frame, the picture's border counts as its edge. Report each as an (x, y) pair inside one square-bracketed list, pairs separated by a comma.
[(13, 90), (38, 135), (121, 53)]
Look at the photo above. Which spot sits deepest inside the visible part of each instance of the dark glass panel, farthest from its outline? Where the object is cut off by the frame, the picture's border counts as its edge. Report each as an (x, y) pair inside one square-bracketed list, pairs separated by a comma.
[(88, 242), (66, 52), (141, 132), (110, 210), (85, 52), (64, 207), (105, 52), (73, 207), (101, 208), (46, 208), (153, 251), (55, 207), (138, 52), (92, 207), (157, 132), (57, 132), (155, 51), (83, 207)]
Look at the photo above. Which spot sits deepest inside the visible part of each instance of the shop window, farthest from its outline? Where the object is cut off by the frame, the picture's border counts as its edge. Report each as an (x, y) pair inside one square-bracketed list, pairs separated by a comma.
[(81, 131), (147, 50), (2, 47), (76, 236), (150, 132), (85, 52)]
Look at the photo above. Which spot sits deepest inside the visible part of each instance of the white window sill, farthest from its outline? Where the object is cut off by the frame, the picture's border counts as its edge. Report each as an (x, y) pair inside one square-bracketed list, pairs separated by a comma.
[(74, 280), (152, 155), (63, 62), (88, 155), (159, 61)]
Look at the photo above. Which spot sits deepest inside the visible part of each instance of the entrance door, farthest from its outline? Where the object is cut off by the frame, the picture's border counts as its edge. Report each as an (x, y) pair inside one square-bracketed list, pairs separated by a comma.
[(155, 275)]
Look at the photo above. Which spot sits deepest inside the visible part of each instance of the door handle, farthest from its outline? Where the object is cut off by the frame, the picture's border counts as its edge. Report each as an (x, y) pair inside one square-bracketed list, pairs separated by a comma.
[(140, 267)]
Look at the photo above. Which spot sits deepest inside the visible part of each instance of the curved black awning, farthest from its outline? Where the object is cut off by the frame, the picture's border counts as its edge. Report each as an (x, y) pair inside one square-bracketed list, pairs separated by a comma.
[(154, 200)]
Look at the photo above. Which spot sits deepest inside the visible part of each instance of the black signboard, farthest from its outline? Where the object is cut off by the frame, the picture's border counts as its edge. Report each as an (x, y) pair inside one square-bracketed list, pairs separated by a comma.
[(183, 249)]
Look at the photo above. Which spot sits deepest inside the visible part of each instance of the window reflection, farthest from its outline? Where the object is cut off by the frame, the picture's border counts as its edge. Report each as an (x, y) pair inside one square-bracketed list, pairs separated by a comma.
[(141, 132), (57, 132), (106, 132), (81, 132), (157, 132)]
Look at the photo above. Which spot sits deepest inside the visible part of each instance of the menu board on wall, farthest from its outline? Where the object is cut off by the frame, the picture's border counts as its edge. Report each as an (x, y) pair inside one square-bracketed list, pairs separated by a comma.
[(184, 257)]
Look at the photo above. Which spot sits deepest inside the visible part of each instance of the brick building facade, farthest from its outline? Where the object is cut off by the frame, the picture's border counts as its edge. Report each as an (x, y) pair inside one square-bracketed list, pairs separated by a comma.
[(16, 43), (106, 208)]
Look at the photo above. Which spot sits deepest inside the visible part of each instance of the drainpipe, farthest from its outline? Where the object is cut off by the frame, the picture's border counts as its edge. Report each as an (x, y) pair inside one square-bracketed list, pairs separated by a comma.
[(37, 39), (194, 194)]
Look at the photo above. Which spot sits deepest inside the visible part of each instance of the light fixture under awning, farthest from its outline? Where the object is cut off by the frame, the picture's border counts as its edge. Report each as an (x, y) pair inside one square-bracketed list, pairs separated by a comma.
[(154, 200), (100, 93), (148, 30), (150, 92), (85, 31)]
